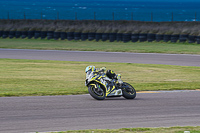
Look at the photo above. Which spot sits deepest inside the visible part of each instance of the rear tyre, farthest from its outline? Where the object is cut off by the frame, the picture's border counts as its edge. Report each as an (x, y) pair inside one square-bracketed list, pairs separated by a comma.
[(128, 91), (96, 92)]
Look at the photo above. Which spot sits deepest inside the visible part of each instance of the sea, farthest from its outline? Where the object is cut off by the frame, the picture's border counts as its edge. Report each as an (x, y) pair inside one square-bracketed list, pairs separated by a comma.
[(138, 10)]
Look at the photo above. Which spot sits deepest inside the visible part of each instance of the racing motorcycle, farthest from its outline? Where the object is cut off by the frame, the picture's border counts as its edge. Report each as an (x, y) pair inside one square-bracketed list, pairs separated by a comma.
[(101, 86)]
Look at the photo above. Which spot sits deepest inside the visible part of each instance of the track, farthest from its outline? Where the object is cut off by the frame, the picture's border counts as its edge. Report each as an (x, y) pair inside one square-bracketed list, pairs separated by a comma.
[(59, 113), (145, 58)]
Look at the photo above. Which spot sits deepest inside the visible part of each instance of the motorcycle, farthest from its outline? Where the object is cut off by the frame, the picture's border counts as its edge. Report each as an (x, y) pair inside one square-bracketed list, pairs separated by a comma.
[(100, 86)]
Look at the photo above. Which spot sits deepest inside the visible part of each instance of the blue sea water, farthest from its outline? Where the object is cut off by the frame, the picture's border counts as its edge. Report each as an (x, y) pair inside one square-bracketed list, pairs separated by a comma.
[(142, 10)]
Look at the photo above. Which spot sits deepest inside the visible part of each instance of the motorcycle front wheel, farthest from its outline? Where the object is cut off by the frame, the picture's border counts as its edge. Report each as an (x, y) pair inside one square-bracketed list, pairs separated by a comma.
[(128, 91), (96, 92)]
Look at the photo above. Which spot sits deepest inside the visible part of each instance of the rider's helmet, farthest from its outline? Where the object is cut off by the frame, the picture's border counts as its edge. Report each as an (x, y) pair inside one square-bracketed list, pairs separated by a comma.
[(90, 68)]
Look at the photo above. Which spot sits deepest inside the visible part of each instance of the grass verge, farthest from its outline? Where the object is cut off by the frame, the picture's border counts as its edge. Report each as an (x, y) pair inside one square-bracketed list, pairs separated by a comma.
[(139, 130), (140, 47), (37, 78)]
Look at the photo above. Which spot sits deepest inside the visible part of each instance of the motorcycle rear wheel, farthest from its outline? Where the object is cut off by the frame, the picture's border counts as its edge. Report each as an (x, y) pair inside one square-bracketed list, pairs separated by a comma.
[(96, 92), (129, 92)]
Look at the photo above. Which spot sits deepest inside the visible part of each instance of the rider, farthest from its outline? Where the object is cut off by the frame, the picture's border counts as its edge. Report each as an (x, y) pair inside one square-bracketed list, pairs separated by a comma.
[(109, 73)]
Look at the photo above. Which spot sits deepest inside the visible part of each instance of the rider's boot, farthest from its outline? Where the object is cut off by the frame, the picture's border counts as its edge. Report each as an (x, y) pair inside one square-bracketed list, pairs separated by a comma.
[(118, 78)]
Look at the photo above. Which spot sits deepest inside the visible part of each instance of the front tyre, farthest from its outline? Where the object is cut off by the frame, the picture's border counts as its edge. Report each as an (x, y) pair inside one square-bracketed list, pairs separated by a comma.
[(128, 91), (96, 92)]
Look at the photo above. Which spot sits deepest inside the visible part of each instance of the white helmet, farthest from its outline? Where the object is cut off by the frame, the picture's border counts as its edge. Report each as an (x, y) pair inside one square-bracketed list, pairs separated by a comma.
[(90, 68)]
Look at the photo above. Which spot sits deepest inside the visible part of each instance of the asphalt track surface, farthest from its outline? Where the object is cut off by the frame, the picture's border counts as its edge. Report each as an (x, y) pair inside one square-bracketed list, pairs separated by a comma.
[(145, 58), (61, 113)]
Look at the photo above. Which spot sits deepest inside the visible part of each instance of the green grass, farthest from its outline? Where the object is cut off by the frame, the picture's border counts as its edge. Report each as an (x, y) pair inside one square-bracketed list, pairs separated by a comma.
[(38, 78), (140, 130), (141, 47)]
